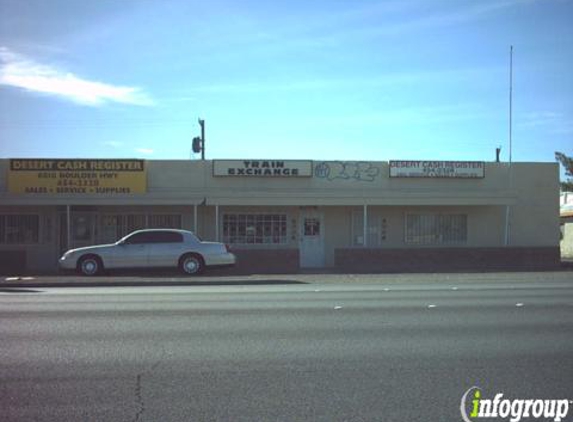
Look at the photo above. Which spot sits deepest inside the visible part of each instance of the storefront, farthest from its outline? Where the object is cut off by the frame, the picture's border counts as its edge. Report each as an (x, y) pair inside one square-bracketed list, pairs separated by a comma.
[(287, 216)]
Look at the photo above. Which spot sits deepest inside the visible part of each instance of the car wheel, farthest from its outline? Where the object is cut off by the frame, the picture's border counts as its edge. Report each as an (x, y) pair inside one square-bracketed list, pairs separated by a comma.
[(89, 265), (191, 264)]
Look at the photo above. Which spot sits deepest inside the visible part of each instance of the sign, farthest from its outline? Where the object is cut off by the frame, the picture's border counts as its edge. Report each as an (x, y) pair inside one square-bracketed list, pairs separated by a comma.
[(438, 169), (92, 177), (262, 168)]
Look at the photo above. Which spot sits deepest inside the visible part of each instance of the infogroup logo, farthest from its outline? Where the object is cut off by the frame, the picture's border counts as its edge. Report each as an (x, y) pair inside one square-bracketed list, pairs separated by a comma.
[(515, 410)]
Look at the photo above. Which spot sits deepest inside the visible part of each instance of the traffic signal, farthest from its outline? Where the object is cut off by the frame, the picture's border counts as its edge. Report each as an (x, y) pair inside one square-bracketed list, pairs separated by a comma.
[(197, 144)]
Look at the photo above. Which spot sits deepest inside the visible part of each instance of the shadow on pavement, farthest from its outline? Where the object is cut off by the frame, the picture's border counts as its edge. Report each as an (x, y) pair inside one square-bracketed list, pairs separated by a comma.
[(113, 282), (19, 290)]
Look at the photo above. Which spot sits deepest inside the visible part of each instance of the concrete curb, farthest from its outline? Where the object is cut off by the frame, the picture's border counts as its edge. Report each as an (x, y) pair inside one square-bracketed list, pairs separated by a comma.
[(279, 279)]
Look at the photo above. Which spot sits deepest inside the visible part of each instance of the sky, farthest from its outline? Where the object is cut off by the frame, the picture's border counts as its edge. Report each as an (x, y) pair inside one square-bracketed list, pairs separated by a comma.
[(320, 80)]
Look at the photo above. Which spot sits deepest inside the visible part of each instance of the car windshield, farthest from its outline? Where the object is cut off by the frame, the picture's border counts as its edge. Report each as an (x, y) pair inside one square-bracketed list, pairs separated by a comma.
[(122, 240)]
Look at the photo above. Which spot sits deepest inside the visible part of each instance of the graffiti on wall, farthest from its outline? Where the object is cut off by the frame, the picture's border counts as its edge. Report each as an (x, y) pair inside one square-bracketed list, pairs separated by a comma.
[(347, 170)]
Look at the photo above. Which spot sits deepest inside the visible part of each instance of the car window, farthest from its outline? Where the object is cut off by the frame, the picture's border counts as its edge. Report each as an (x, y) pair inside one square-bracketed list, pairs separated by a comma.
[(138, 238), (155, 237), (167, 237)]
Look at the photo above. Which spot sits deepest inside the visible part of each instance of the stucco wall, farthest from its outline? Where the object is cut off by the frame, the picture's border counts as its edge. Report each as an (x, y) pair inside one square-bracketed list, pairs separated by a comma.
[(535, 216), (567, 241), (174, 186)]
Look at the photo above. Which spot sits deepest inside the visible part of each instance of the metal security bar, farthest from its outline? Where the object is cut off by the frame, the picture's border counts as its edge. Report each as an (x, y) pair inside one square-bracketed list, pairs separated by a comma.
[(19, 229), (116, 226), (255, 228), (426, 229), (376, 229), (164, 221)]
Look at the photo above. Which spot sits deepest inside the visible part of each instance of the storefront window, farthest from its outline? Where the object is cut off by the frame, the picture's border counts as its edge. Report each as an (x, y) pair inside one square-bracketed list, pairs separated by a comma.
[(255, 228), (15, 229), (424, 229)]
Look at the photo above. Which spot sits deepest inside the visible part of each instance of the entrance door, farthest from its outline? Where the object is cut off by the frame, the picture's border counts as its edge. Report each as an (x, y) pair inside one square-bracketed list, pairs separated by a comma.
[(312, 239), (82, 230)]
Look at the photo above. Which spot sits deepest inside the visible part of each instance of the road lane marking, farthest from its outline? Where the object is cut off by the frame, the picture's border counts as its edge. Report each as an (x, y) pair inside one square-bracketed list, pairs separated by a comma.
[(431, 306), (519, 305), (337, 307)]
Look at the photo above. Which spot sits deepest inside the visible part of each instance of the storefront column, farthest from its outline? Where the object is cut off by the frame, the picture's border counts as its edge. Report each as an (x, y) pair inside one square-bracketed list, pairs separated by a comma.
[(216, 223), (195, 219), (365, 227), (68, 228)]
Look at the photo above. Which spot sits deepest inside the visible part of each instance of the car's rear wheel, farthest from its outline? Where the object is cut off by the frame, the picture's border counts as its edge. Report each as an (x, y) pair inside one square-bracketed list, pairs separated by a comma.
[(90, 265), (191, 264)]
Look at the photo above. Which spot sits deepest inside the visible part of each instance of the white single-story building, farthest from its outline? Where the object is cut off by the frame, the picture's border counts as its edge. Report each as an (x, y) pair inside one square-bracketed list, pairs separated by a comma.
[(290, 215)]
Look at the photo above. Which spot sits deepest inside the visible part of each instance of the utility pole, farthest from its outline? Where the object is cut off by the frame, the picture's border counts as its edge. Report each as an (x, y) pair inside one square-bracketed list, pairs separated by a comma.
[(510, 99), (507, 207), (198, 144), (202, 124)]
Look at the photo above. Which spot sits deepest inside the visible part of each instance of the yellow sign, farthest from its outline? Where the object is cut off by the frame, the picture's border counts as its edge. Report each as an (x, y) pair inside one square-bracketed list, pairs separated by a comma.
[(90, 177)]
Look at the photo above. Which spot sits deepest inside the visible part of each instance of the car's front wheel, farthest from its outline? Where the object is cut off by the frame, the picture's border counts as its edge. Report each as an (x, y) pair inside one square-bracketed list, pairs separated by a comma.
[(191, 264), (90, 265)]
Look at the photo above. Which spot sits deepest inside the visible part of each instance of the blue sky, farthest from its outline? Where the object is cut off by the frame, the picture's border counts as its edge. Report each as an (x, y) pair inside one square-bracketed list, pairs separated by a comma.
[(355, 80)]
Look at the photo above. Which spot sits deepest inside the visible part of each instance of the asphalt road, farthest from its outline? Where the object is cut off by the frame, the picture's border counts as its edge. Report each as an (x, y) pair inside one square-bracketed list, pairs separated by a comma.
[(376, 351)]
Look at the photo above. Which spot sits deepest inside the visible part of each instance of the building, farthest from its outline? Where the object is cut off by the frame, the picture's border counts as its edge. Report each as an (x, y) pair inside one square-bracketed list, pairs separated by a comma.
[(285, 215), (566, 218)]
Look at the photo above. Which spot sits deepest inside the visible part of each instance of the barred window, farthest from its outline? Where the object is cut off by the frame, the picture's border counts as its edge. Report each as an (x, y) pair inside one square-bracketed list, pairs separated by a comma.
[(131, 222), (164, 221), (376, 230), (425, 229), (117, 226), (19, 229), (255, 228)]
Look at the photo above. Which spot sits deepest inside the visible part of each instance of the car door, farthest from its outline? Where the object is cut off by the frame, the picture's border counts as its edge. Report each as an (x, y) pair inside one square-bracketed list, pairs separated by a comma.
[(132, 251), (165, 249)]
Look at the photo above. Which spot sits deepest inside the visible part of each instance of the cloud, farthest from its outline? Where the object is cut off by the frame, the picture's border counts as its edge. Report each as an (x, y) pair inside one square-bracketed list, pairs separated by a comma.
[(383, 80), (113, 144), (400, 17), (554, 122), (21, 72), (146, 151)]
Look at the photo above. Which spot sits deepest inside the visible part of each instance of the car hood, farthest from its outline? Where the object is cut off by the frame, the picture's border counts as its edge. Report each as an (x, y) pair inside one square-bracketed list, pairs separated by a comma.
[(94, 248)]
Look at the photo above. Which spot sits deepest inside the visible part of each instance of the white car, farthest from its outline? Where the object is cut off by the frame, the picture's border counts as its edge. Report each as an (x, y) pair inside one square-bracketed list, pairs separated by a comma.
[(150, 248)]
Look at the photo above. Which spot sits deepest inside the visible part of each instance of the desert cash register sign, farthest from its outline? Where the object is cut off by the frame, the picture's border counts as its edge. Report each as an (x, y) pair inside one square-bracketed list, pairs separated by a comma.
[(475, 406), (57, 176)]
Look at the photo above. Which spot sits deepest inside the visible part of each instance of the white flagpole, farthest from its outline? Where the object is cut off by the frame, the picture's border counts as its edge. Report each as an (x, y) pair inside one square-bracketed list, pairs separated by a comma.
[(507, 208)]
